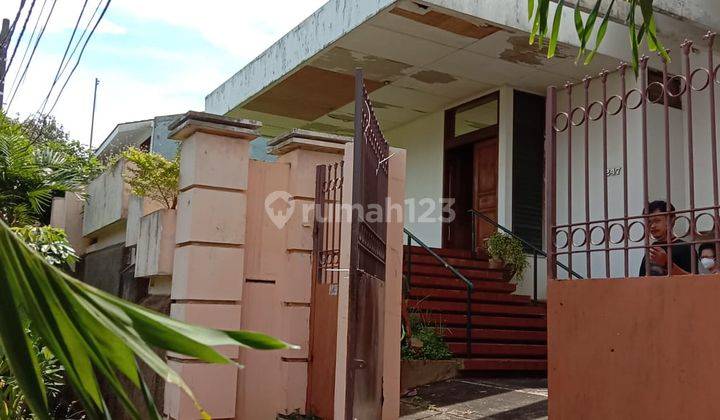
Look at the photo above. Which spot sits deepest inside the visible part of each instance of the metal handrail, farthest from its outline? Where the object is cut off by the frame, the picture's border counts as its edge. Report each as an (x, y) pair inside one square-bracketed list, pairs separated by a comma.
[(535, 250), (455, 272)]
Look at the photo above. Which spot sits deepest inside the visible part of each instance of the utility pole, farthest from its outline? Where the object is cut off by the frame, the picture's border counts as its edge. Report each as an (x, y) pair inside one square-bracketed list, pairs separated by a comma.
[(92, 122), (4, 43)]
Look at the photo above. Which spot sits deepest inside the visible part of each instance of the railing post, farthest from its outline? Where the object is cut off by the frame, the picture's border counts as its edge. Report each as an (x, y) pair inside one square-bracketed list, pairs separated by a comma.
[(535, 276), (469, 321), (409, 262), (550, 183), (473, 233)]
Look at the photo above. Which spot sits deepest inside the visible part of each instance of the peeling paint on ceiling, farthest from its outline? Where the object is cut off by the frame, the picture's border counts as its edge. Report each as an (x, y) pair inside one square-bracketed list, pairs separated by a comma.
[(448, 23), (521, 52), (432, 77), (345, 61)]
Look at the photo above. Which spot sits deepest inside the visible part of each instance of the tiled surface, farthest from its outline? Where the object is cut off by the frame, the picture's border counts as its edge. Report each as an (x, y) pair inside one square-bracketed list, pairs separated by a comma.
[(471, 398)]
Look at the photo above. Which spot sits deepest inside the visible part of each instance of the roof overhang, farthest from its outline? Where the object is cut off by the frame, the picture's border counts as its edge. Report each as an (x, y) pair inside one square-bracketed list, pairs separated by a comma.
[(125, 135), (418, 58)]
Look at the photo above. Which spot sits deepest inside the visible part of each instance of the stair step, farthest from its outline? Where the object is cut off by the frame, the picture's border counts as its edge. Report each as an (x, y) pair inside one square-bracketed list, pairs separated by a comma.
[(461, 295), (443, 252), (428, 259), (488, 364), (500, 349), (471, 274), (477, 308), (459, 334), (457, 284), (480, 321)]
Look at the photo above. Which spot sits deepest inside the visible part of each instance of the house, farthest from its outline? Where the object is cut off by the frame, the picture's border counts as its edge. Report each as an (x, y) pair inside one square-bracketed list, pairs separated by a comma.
[(564, 156)]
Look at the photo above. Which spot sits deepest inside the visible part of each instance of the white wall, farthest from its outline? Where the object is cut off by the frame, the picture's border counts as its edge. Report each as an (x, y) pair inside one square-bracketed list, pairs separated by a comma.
[(679, 154), (423, 140)]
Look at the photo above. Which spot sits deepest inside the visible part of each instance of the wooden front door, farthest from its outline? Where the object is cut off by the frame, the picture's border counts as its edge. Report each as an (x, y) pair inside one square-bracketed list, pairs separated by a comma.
[(485, 195)]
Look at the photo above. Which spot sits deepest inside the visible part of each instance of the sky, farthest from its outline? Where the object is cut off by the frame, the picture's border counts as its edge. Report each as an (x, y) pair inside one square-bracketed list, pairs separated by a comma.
[(153, 57)]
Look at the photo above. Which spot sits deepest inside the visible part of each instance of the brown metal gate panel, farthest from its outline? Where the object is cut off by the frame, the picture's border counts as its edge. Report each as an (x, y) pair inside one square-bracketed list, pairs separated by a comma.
[(324, 301), (367, 262)]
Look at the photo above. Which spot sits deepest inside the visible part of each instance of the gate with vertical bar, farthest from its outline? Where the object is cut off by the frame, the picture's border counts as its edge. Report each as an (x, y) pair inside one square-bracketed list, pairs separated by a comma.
[(325, 283), (367, 262)]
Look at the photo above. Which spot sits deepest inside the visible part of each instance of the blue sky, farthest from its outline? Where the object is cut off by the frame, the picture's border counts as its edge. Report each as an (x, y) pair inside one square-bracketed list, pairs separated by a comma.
[(153, 57)]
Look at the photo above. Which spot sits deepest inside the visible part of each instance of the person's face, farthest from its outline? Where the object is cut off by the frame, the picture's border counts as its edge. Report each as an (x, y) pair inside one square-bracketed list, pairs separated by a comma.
[(658, 225), (708, 253)]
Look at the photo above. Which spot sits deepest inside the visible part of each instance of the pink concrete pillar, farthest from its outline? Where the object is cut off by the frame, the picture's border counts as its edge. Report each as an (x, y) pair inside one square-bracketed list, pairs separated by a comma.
[(278, 279), (209, 256)]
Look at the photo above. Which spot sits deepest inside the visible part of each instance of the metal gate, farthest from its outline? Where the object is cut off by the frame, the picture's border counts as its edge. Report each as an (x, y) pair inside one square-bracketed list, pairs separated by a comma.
[(325, 282), (367, 262)]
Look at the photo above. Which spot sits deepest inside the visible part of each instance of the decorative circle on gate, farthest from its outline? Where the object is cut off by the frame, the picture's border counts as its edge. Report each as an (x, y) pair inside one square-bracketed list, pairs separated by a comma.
[(597, 239), (597, 107), (684, 224), (655, 92), (560, 244), (616, 233), (565, 121), (716, 70), (707, 226), (639, 96), (620, 104), (636, 231), (573, 116), (582, 242), (705, 83), (682, 84)]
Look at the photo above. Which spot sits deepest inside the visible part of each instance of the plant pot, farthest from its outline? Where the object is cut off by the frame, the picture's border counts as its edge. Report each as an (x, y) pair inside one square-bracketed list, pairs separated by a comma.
[(496, 264), (414, 373)]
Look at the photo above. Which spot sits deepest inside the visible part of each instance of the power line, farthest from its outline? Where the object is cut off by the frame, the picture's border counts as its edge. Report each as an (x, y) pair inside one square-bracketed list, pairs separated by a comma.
[(22, 32), (18, 82), (82, 51), (5, 42), (62, 61)]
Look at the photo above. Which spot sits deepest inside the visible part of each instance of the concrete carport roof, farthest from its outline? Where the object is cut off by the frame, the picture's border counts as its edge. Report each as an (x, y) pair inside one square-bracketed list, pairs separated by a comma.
[(419, 57)]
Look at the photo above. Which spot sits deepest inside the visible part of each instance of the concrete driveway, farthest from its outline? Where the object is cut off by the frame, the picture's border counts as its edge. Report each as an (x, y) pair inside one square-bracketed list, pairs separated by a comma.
[(471, 398)]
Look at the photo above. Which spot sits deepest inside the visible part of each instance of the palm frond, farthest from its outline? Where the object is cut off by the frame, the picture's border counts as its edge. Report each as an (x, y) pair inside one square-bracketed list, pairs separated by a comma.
[(92, 332)]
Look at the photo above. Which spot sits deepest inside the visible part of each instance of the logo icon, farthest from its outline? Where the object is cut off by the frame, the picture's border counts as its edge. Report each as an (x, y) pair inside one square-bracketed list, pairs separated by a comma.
[(279, 206)]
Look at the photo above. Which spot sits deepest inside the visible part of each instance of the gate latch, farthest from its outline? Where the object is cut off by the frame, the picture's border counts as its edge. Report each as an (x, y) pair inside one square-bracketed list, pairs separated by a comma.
[(359, 364)]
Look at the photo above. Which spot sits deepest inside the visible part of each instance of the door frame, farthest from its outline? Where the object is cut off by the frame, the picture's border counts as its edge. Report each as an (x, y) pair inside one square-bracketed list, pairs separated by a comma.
[(450, 141)]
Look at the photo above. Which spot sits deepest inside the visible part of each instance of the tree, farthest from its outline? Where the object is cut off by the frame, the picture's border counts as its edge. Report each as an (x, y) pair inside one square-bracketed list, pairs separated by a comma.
[(91, 332), (151, 175), (31, 174), (539, 11)]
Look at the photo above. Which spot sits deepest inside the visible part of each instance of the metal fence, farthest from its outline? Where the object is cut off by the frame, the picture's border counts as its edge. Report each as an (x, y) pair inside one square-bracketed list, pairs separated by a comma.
[(614, 144)]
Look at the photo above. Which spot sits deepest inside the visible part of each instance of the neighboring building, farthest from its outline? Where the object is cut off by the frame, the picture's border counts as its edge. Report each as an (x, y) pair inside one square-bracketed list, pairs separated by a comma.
[(455, 84)]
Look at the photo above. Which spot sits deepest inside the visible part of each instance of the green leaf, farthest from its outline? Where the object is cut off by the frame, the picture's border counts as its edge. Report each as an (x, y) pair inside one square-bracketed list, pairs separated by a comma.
[(600, 36), (531, 9), (552, 46), (93, 333)]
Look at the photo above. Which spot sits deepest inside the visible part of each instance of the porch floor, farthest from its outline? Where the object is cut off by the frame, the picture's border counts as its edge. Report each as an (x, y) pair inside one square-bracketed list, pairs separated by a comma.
[(473, 398)]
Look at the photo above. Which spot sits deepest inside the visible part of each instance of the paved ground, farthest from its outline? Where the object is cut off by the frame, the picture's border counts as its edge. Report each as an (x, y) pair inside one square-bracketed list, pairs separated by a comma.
[(470, 398)]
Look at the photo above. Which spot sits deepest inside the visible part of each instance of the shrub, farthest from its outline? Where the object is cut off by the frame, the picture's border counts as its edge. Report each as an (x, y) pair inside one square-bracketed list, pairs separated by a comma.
[(508, 249), (52, 243), (153, 176), (433, 347)]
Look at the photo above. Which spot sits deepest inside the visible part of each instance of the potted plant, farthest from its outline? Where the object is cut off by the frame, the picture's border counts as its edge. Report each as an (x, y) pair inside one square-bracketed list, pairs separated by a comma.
[(507, 252)]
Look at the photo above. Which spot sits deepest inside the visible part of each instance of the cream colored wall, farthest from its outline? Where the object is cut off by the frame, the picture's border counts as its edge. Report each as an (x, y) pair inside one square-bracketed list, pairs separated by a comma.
[(423, 141)]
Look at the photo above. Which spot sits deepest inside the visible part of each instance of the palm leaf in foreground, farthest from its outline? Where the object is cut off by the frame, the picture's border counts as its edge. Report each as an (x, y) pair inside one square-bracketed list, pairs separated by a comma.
[(92, 332)]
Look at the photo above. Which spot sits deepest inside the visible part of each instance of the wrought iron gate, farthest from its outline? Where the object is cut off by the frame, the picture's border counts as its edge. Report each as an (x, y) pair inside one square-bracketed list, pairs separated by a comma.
[(325, 282), (367, 262)]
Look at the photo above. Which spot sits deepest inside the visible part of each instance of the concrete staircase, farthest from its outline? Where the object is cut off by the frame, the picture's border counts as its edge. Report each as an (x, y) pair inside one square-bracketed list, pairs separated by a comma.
[(509, 332)]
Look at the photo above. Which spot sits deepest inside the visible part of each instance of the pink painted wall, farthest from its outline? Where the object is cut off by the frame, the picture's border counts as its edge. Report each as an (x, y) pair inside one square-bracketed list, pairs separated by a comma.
[(642, 348)]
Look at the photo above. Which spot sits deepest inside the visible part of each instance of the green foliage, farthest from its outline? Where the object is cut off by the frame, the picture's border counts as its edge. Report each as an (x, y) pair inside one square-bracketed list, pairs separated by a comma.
[(433, 347), (32, 173), (52, 243), (538, 12), (12, 400), (508, 249), (91, 332), (151, 175)]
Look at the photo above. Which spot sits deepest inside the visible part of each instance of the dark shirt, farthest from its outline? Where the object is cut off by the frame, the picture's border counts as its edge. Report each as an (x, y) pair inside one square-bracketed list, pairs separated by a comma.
[(681, 256)]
